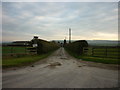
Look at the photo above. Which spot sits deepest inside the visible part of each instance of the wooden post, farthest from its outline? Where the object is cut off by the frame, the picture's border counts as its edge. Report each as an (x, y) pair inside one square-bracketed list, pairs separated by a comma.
[(69, 35), (25, 47)]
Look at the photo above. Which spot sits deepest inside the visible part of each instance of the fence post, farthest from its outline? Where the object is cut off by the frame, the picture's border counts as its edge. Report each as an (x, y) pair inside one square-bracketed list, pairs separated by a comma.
[(25, 48)]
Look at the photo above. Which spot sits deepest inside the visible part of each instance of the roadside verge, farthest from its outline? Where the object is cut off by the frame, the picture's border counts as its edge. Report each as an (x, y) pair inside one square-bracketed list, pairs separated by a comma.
[(23, 61)]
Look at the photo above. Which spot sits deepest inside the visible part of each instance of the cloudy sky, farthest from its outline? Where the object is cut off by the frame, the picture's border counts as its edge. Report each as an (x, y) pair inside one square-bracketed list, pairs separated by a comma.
[(51, 20)]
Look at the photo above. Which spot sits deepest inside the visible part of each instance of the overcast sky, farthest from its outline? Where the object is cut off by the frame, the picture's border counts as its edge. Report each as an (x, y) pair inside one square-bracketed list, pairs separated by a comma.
[(51, 20)]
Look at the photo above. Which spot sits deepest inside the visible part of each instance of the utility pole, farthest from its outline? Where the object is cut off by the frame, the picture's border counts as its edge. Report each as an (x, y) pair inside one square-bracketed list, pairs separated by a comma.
[(69, 35)]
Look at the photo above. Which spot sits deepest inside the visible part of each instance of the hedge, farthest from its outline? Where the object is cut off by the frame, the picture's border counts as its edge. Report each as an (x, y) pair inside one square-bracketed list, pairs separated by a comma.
[(77, 46)]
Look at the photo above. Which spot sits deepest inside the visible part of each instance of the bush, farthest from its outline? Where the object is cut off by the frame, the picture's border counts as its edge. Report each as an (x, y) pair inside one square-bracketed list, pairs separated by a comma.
[(45, 46), (77, 46)]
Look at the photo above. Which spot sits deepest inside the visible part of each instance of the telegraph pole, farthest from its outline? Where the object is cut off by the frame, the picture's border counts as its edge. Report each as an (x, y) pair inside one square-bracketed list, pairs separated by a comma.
[(69, 35)]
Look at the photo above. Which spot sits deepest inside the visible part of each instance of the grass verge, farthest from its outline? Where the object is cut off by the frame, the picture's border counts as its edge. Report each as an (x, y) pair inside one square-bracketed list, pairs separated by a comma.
[(22, 61), (94, 59)]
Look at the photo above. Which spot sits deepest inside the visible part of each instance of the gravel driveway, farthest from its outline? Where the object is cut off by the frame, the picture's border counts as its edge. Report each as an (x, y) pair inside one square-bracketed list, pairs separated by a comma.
[(60, 70)]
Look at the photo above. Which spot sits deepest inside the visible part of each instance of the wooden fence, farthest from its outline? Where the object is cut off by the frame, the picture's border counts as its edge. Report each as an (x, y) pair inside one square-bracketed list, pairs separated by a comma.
[(102, 51), (17, 50)]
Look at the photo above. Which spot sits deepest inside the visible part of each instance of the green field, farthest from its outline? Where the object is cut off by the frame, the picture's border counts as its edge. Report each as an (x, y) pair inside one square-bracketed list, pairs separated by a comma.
[(106, 52), (99, 59), (11, 49), (21, 61)]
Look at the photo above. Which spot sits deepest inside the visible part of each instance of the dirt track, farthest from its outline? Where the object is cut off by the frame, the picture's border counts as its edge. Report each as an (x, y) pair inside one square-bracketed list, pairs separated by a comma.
[(61, 71)]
